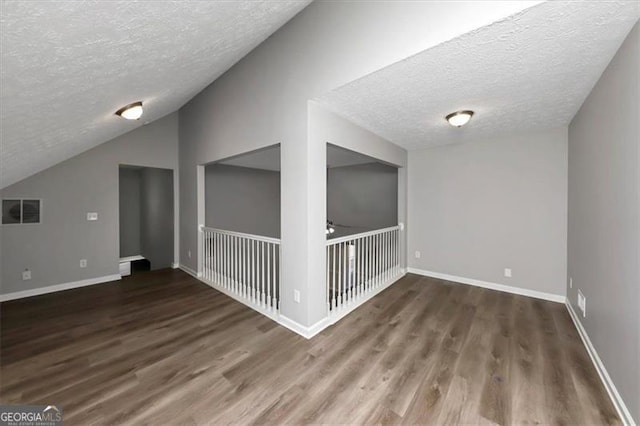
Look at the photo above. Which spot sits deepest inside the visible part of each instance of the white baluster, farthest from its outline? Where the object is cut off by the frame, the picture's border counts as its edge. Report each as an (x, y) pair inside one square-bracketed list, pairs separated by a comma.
[(274, 303), (334, 266), (359, 257), (204, 254), (396, 241), (223, 259), (262, 272), (234, 253), (386, 256), (215, 256), (236, 264), (211, 254)]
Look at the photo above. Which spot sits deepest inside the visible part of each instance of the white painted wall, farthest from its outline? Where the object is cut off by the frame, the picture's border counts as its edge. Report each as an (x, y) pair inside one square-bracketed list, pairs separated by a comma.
[(477, 208), (86, 183)]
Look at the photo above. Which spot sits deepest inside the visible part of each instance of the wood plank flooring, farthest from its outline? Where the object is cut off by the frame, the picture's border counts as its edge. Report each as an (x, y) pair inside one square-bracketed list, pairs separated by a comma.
[(163, 348)]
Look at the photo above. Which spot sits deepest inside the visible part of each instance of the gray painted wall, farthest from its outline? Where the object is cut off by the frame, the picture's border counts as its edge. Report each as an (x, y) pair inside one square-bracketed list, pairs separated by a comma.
[(156, 216), (242, 199), (86, 183), (604, 236), (129, 184), (362, 197), (477, 208)]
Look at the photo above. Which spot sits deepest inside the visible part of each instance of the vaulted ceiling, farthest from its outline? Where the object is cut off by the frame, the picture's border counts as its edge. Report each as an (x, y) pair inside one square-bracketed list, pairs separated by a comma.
[(67, 66), (269, 158), (532, 70)]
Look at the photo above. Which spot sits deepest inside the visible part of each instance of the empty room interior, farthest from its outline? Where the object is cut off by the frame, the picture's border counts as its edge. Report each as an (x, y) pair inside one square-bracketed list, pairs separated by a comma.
[(320, 212)]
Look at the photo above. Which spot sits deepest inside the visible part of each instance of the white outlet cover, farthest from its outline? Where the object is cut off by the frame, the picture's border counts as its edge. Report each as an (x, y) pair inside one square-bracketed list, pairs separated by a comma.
[(507, 272), (570, 282), (26, 275), (92, 216), (83, 263), (418, 254), (296, 296)]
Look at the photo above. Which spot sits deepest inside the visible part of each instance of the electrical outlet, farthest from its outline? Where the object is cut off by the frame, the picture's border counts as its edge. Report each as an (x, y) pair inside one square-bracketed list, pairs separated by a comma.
[(418, 254), (26, 275), (582, 303), (189, 254), (570, 282), (92, 216), (83, 263), (507, 272), (296, 296)]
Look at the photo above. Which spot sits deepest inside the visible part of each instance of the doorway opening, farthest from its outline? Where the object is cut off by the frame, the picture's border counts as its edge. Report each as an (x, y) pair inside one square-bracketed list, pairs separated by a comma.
[(146, 219)]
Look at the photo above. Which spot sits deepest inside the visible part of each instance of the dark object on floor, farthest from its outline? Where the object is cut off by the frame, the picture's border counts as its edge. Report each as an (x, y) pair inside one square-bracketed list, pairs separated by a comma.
[(141, 265)]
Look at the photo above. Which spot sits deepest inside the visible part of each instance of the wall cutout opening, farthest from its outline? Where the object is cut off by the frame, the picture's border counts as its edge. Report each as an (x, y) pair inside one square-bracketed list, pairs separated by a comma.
[(362, 193)]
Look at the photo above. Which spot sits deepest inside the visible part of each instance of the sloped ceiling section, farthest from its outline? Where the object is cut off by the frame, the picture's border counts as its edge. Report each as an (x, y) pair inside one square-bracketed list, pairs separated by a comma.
[(67, 66), (269, 158), (530, 71)]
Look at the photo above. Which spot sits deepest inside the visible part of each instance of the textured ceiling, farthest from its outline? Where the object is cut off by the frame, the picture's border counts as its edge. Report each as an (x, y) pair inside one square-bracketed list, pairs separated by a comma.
[(68, 65), (530, 71), (269, 158)]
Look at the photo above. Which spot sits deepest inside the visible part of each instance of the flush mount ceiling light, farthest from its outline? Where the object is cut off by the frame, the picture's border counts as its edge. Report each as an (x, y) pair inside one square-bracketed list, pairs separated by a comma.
[(459, 118), (131, 112)]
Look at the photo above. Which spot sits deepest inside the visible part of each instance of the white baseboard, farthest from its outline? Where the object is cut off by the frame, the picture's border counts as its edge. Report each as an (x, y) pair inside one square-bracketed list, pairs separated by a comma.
[(309, 332), (492, 286), (175, 265), (304, 331), (58, 287), (188, 270), (616, 399)]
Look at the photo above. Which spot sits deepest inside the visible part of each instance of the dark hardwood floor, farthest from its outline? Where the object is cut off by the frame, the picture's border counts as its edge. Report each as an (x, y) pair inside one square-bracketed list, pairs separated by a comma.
[(163, 348)]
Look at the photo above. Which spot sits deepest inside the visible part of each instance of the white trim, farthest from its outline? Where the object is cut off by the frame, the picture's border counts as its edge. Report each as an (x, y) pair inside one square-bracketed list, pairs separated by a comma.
[(131, 258), (58, 287), (240, 234), (188, 270), (492, 286), (333, 241), (309, 332), (175, 265), (304, 331), (616, 399)]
